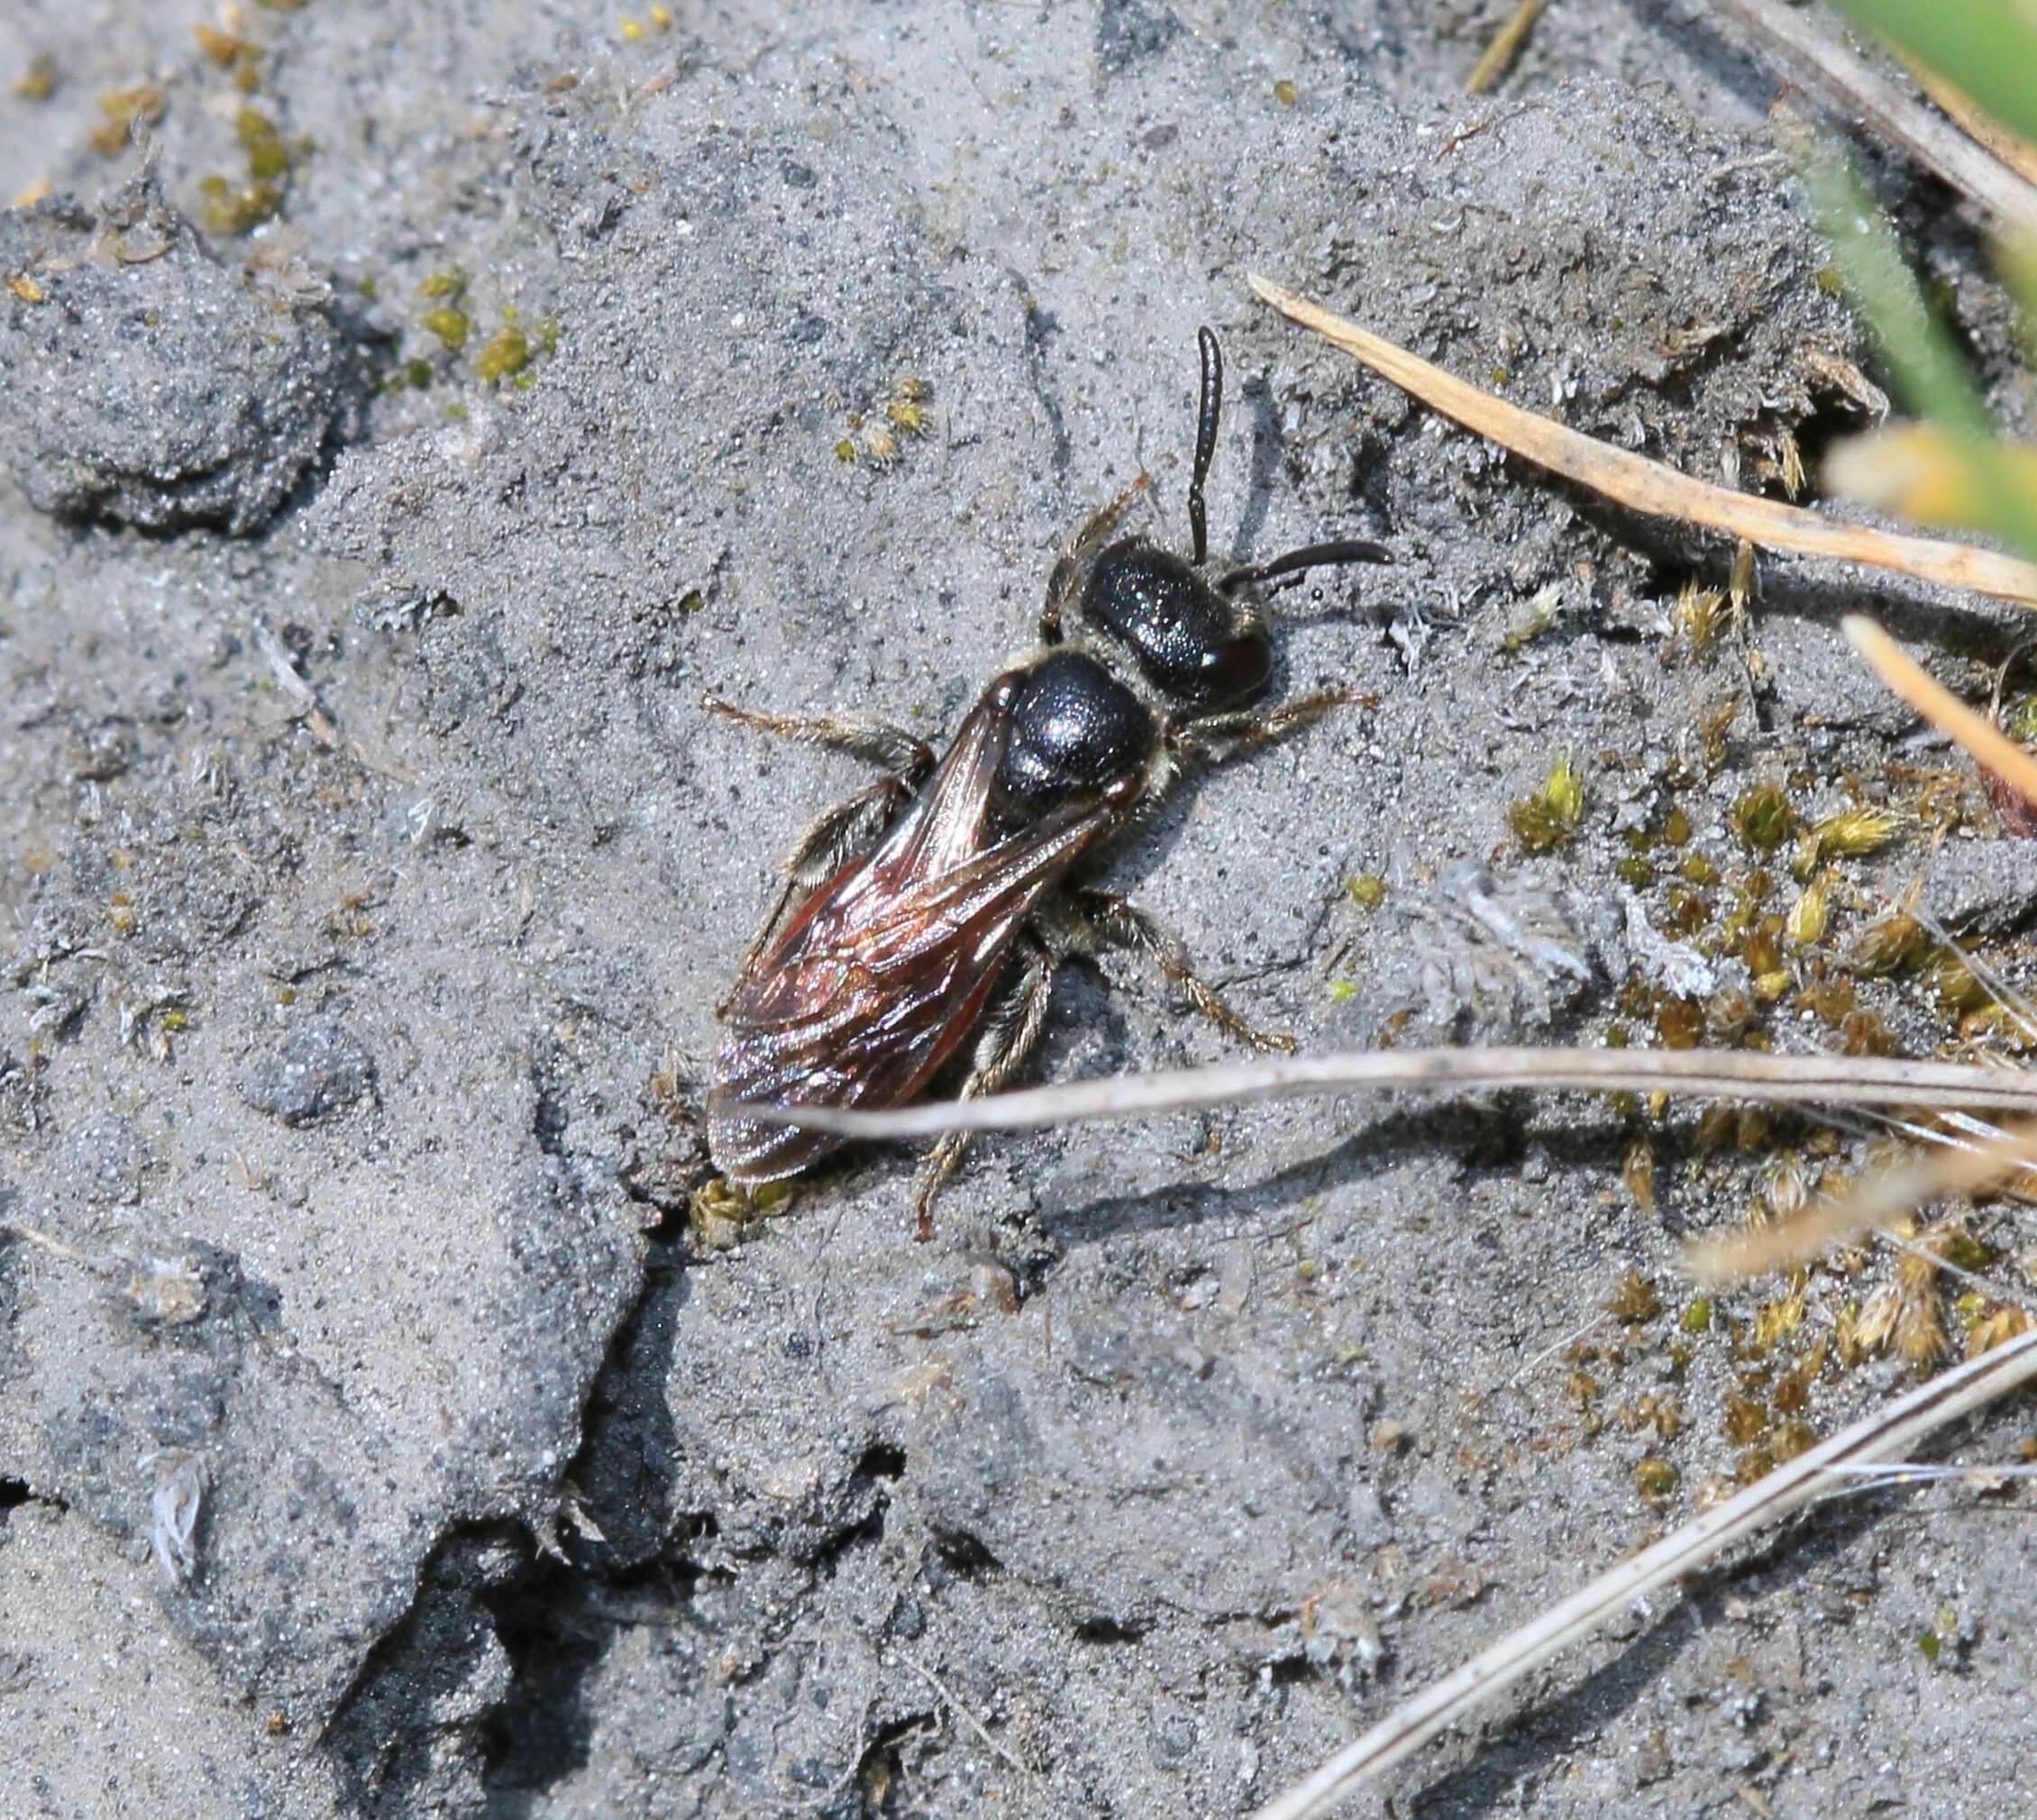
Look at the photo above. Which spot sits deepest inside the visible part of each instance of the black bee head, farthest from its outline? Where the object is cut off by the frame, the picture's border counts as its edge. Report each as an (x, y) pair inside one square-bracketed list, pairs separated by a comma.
[(1188, 637)]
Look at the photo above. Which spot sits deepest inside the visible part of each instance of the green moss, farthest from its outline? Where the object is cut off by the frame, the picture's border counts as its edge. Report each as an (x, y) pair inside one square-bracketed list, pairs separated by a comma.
[(1851, 834), (450, 325), (268, 156), (1655, 1479), (1885, 946), (508, 354), (38, 82), (228, 210), (1764, 818), (1746, 1420), (1689, 911), (2019, 720), (1790, 1439), (1963, 1251), (1548, 820), (120, 109), (1810, 915), (1831, 1001), (1762, 950), (1679, 1023), (1564, 791), (1636, 1300)]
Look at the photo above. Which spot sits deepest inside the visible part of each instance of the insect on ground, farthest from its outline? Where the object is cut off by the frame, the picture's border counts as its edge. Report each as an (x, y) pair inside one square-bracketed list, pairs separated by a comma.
[(921, 921)]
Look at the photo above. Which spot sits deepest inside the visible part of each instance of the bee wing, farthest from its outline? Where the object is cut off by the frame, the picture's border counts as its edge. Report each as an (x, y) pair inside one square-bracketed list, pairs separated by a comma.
[(882, 974), (945, 829)]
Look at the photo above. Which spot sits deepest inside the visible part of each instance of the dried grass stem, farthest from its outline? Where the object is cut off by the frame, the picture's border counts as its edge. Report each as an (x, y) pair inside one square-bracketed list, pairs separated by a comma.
[(1652, 487), (1864, 1081)]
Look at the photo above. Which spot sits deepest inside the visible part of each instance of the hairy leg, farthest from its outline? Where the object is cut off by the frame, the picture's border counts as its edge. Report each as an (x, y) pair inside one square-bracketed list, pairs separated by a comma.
[(1010, 1036), (1098, 920), (1065, 577), (891, 747), (1217, 739), (852, 823)]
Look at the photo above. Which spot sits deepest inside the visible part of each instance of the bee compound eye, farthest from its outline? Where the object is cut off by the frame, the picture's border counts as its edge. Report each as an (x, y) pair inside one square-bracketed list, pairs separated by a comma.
[(1239, 667)]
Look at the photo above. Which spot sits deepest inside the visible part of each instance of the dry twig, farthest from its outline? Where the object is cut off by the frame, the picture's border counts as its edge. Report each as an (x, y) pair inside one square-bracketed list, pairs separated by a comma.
[(301, 693), (1821, 61), (1859, 1080), (1497, 58), (962, 1711), (1652, 487), (2014, 150), (1885, 1196), (54, 1246), (1887, 1433), (1988, 744)]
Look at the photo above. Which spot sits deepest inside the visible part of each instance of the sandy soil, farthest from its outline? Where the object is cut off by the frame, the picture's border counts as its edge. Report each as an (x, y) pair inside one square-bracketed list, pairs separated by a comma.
[(394, 460)]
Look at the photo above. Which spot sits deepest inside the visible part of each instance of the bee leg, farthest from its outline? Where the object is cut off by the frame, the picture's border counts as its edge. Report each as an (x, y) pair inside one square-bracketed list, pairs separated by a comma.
[(850, 826), (1191, 742), (1010, 1036), (905, 757), (1217, 739), (1066, 581), (1103, 920)]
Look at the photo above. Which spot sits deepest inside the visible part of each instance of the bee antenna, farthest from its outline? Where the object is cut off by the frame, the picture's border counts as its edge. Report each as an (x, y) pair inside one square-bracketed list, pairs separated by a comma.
[(1206, 417), (1340, 550)]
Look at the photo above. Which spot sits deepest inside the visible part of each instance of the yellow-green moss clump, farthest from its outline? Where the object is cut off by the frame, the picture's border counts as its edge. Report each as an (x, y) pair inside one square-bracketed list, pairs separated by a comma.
[(1657, 1479), (230, 209), (1548, 820), (268, 156), (506, 354), (38, 82), (450, 323), (1764, 818)]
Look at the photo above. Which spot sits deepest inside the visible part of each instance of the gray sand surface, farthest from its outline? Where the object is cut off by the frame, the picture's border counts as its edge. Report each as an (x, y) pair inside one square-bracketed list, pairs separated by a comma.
[(383, 1432)]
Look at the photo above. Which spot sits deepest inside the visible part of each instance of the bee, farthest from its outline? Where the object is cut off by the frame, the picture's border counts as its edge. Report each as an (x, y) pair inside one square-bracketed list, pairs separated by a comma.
[(927, 914)]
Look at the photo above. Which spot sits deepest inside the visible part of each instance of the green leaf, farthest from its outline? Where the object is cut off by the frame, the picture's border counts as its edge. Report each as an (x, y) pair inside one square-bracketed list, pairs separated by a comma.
[(1986, 47), (2019, 273), (1929, 373)]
